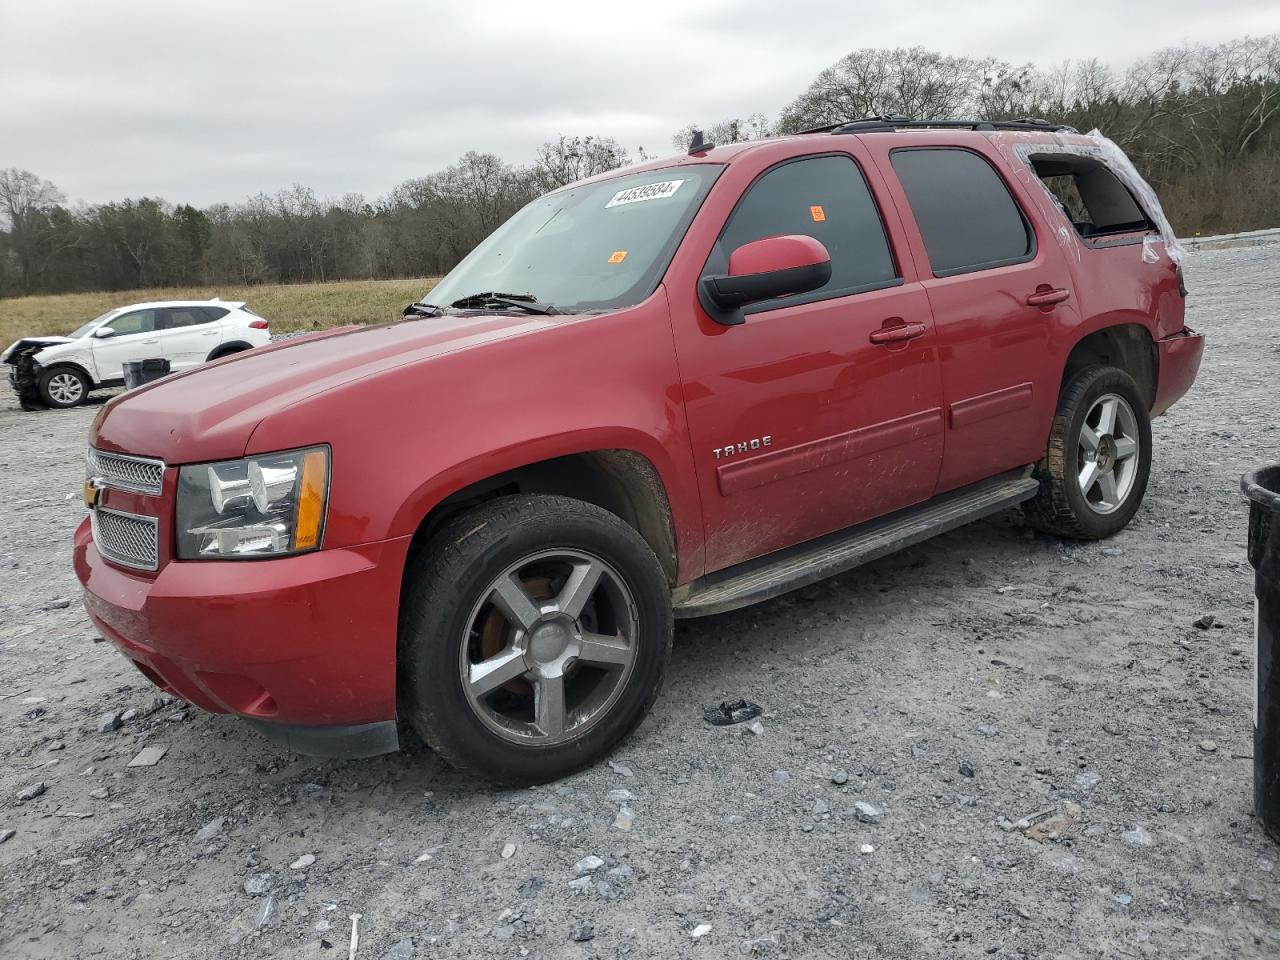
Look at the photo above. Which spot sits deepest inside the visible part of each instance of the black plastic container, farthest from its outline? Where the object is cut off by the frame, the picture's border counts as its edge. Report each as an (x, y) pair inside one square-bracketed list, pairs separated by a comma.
[(138, 372), (1262, 487)]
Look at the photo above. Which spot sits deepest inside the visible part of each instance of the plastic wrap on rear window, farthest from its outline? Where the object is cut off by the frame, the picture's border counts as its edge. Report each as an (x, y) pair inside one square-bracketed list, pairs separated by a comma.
[(1123, 167)]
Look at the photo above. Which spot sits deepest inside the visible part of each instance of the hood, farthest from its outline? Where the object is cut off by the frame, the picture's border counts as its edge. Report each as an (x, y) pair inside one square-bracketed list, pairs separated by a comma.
[(210, 411), (39, 343)]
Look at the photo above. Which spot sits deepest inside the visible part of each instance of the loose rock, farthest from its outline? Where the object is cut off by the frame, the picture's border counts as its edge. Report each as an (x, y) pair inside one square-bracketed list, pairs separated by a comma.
[(210, 830), (583, 933), (401, 950), (258, 884), (31, 792), (304, 861), (109, 722), (867, 813), (588, 865)]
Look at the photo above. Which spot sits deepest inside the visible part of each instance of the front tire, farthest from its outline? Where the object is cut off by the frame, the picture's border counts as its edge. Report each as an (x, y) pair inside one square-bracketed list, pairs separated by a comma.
[(63, 387), (1094, 472), (534, 634)]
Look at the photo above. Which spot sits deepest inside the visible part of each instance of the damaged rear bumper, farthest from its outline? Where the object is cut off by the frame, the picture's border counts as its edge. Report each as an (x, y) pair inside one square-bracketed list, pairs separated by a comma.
[(1179, 357)]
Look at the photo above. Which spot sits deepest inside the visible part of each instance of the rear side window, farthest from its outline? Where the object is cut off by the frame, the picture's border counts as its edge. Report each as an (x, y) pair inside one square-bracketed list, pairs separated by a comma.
[(1089, 194), (217, 313), (966, 215), (174, 317), (822, 197)]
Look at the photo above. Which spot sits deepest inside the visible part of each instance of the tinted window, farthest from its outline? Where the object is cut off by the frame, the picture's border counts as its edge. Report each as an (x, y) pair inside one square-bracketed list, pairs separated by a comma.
[(140, 321), (823, 197), (182, 317), (217, 313), (964, 211)]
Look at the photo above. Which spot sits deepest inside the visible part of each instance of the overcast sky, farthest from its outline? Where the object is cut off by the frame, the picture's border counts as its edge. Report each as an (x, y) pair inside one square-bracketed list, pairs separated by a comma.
[(200, 102)]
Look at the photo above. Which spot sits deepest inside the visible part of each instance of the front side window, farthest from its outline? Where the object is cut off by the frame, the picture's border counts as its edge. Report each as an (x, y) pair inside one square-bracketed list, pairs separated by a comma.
[(597, 246), (826, 198), (967, 217), (139, 321)]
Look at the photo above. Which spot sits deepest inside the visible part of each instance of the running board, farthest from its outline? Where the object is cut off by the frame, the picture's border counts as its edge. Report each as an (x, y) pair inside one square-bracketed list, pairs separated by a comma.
[(785, 570)]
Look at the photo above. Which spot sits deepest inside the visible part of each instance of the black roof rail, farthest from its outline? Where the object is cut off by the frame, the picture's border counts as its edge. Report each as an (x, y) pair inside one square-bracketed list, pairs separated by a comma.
[(891, 122)]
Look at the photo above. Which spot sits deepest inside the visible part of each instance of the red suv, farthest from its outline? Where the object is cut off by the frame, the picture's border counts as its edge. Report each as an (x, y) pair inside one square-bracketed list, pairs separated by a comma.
[(674, 389)]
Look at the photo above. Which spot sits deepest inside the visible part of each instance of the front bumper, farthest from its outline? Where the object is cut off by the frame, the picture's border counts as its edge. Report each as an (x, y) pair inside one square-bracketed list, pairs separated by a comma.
[(304, 646), (1179, 357)]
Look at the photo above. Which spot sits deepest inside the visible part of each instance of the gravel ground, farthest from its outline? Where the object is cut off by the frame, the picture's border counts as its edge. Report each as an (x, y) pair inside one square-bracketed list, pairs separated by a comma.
[(992, 744)]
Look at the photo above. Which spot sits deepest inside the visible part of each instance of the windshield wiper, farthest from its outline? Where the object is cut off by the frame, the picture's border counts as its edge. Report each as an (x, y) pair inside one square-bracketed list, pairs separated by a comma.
[(521, 301), (418, 308)]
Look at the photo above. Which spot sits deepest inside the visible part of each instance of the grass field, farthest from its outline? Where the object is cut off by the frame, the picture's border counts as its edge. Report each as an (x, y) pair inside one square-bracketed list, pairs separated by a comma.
[(303, 306)]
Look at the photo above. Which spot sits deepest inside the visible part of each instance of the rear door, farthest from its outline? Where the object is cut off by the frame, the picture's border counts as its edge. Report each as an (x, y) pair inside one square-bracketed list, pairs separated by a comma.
[(801, 424), (135, 336), (188, 335), (996, 290)]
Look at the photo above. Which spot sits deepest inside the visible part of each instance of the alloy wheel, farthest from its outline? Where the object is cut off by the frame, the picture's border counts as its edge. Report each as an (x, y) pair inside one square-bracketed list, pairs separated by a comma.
[(549, 647), (1108, 454), (65, 388)]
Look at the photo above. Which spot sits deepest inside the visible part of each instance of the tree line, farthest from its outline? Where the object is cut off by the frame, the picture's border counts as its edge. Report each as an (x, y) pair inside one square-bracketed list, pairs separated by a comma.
[(1201, 122)]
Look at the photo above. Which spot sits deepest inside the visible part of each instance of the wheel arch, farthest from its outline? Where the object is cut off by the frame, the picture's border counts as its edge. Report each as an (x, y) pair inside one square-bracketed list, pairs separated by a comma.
[(78, 367), (226, 349), (622, 481), (1126, 345)]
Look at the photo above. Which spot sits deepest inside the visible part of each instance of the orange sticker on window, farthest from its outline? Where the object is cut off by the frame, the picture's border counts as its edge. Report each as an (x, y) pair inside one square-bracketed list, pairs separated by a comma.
[(817, 213), (618, 256)]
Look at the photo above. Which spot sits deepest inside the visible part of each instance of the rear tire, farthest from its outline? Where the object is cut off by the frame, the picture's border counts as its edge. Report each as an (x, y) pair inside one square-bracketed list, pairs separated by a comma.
[(534, 634), (64, 387), (1094, 472)]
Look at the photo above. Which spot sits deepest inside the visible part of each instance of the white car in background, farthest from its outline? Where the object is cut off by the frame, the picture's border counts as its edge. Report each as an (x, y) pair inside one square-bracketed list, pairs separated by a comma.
[(185, 332)]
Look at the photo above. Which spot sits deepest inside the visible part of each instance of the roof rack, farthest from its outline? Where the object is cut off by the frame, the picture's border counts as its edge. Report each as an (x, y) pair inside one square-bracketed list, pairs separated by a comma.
[(889, 122)]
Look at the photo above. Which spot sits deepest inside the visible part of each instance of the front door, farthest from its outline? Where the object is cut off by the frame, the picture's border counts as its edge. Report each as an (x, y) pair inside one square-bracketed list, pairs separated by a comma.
[(134, 337), (805, 419)]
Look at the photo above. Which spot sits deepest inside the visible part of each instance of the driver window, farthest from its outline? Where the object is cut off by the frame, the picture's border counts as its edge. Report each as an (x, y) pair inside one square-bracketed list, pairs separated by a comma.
[(822, 197), (139, 321)]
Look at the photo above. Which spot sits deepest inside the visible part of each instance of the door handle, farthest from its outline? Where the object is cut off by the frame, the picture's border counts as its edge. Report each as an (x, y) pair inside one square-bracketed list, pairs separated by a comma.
[(150, 341), (895, 331), (1047, 296), (209, 333)]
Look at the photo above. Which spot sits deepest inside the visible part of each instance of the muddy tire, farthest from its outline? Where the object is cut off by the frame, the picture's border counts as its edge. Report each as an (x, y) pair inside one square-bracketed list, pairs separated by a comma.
[(63, 387), (1094, 472), (534, 634)]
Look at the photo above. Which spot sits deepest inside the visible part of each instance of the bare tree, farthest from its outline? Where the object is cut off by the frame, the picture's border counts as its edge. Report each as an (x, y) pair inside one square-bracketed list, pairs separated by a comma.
[(575, 158), (756, 126), (26, 202)]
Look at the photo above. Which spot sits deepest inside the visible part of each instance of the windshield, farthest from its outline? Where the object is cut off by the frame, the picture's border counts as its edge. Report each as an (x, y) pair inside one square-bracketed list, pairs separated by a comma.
[(599, 246), (84, 331)]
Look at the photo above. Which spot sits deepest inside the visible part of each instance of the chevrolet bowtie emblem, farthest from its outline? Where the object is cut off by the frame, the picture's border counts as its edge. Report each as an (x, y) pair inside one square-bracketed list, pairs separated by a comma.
[(91, 491)]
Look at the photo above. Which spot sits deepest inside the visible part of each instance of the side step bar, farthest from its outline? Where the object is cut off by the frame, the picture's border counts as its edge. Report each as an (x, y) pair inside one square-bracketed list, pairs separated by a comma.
[(771, 576)]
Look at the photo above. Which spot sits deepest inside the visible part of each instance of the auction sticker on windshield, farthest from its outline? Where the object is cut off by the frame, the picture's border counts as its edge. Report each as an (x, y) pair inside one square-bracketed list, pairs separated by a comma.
[(648, 191)]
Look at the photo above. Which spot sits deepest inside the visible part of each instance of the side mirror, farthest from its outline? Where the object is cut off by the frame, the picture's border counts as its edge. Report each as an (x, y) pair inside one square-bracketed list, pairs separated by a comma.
[(103, 332), (762, 270)]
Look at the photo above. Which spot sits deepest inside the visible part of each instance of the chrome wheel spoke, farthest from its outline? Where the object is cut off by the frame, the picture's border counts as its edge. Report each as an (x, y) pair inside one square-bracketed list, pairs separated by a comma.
[(517, 606), (606, 651), (1107, 417), (578, 588), (1088, 439), (548, 705), (1088, 476), (1107, 487), (486, 676), (1125, 448)]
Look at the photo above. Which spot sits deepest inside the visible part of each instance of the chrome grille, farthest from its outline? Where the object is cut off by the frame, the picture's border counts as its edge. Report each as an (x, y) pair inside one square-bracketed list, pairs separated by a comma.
[(125, 538), (121, 472)]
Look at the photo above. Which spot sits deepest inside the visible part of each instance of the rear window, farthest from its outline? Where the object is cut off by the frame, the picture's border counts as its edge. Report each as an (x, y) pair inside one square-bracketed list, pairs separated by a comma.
[(966, 215), (1089, 195)]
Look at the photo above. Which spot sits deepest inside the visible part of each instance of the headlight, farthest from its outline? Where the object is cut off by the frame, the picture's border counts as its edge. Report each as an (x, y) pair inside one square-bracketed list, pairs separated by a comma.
[(264, 506)]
